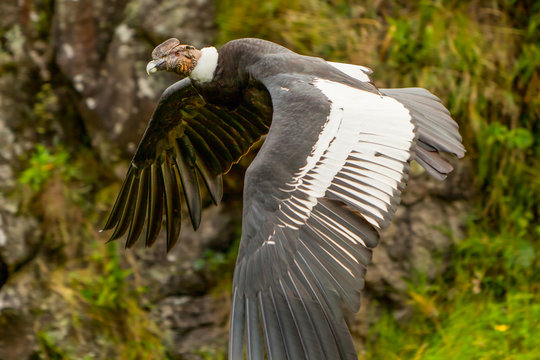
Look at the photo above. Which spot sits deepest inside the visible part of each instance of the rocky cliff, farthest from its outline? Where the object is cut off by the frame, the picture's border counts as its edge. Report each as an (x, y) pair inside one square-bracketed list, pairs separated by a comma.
[(74, 101)]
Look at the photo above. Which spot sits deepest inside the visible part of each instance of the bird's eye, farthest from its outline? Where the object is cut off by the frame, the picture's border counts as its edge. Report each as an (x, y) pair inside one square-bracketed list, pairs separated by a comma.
[(177, 53)]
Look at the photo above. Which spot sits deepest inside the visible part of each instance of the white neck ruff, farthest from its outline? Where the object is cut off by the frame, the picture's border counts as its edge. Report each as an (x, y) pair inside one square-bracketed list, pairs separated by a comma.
[(204, 70)]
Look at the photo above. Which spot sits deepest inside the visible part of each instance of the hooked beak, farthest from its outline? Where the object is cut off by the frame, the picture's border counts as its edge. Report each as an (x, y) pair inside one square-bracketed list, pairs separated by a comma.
[(154, 66)]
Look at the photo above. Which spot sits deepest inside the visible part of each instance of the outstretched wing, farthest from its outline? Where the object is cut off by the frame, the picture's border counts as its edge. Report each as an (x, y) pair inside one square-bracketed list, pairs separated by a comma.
[(326, 180), (186, 138)]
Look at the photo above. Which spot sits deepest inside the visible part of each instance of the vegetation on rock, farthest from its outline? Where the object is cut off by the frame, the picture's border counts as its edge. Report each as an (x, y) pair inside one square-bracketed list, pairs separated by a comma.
[(86, 299)]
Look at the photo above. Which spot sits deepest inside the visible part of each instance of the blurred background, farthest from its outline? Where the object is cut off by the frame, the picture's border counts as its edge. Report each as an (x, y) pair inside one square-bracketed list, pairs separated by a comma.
[(456, 276)]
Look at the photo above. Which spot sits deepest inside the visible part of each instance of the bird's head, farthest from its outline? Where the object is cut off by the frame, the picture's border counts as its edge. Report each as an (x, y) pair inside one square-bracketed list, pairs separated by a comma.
[(173, 56)]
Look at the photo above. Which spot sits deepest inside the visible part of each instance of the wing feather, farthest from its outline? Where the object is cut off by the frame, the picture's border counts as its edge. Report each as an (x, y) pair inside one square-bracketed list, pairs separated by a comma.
[(186, 138), (120, 202), (218, 148), (309, 226), (190, 182), (155, 205), (173, 211), (255, 347), (127, 211), (437, 132), (274, 341), (139, 213)]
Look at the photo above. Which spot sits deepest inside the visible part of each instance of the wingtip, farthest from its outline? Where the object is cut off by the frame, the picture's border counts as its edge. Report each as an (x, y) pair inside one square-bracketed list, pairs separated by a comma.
[(216, 189), (171, 244), (129, 245), (195, 212), (111, 239), (196, 221), (219, 190)]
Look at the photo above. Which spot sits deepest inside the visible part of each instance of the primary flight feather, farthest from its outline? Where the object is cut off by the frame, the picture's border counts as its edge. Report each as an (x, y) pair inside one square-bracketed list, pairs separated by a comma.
[(326, 180)]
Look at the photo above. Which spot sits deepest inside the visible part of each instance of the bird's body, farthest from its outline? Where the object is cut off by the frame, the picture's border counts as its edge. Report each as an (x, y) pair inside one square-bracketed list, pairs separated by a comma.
[(327, 179)]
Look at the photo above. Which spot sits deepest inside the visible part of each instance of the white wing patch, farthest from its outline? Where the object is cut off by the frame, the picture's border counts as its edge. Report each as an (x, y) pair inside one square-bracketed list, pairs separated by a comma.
[(360, 157), (356, 71)]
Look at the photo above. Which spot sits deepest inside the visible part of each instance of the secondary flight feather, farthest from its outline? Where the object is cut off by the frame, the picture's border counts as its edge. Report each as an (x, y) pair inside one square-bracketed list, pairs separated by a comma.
[(326, 181)]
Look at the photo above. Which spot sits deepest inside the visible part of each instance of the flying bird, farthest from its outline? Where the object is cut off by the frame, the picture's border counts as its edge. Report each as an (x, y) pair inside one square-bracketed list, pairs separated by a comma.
[(325, 182)]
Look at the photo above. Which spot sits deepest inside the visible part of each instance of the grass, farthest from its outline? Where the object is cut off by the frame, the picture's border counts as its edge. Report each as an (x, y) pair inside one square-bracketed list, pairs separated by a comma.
[(485, 308), (476, 329)]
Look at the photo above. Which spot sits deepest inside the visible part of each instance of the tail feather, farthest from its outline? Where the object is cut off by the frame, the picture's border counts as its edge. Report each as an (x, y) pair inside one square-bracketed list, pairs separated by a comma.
[(437, 131)]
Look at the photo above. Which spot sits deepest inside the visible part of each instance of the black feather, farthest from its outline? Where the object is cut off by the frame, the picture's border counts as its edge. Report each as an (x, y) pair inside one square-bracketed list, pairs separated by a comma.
[(120, 202), (188, 175), (155, 205), (139, 213), (172, 203), (125, 219)]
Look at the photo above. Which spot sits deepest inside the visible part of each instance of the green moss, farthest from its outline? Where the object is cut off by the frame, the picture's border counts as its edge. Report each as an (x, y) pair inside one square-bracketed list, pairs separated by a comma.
[(106, 308)]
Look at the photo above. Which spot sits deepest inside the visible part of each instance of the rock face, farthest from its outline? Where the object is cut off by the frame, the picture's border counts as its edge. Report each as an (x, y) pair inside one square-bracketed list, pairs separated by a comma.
[(72, 74), (102, 48)]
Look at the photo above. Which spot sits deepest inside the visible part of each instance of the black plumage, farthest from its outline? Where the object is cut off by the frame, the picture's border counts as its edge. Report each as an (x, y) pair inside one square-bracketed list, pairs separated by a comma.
[(327, 179)]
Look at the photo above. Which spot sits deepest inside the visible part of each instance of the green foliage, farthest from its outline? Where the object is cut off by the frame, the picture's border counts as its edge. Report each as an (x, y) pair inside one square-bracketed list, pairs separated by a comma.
[(477, 329), (44, 111), (107, 289), (112, 302), (317, 28), (48, 347), (42, 166), (485, 308), (106, 306), (46, 162)]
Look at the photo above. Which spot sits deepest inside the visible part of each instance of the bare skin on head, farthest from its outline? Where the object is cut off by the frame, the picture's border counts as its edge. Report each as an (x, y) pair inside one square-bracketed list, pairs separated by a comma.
[(175, 57)]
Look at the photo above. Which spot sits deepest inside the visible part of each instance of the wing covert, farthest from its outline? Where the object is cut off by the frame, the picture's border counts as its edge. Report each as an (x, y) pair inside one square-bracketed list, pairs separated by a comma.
[(187, 139)]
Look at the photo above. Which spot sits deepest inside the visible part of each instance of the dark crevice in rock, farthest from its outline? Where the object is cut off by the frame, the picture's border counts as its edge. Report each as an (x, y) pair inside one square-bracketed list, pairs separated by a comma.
[(75, 133)]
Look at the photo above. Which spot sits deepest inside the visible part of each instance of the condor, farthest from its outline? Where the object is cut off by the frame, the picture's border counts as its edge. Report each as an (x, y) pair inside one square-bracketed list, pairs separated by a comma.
[(326, 181)]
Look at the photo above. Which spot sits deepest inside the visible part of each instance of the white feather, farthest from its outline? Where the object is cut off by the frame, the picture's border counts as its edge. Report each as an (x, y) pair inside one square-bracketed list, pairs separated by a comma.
[(356, 71), (366, 135), (206, 65)]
